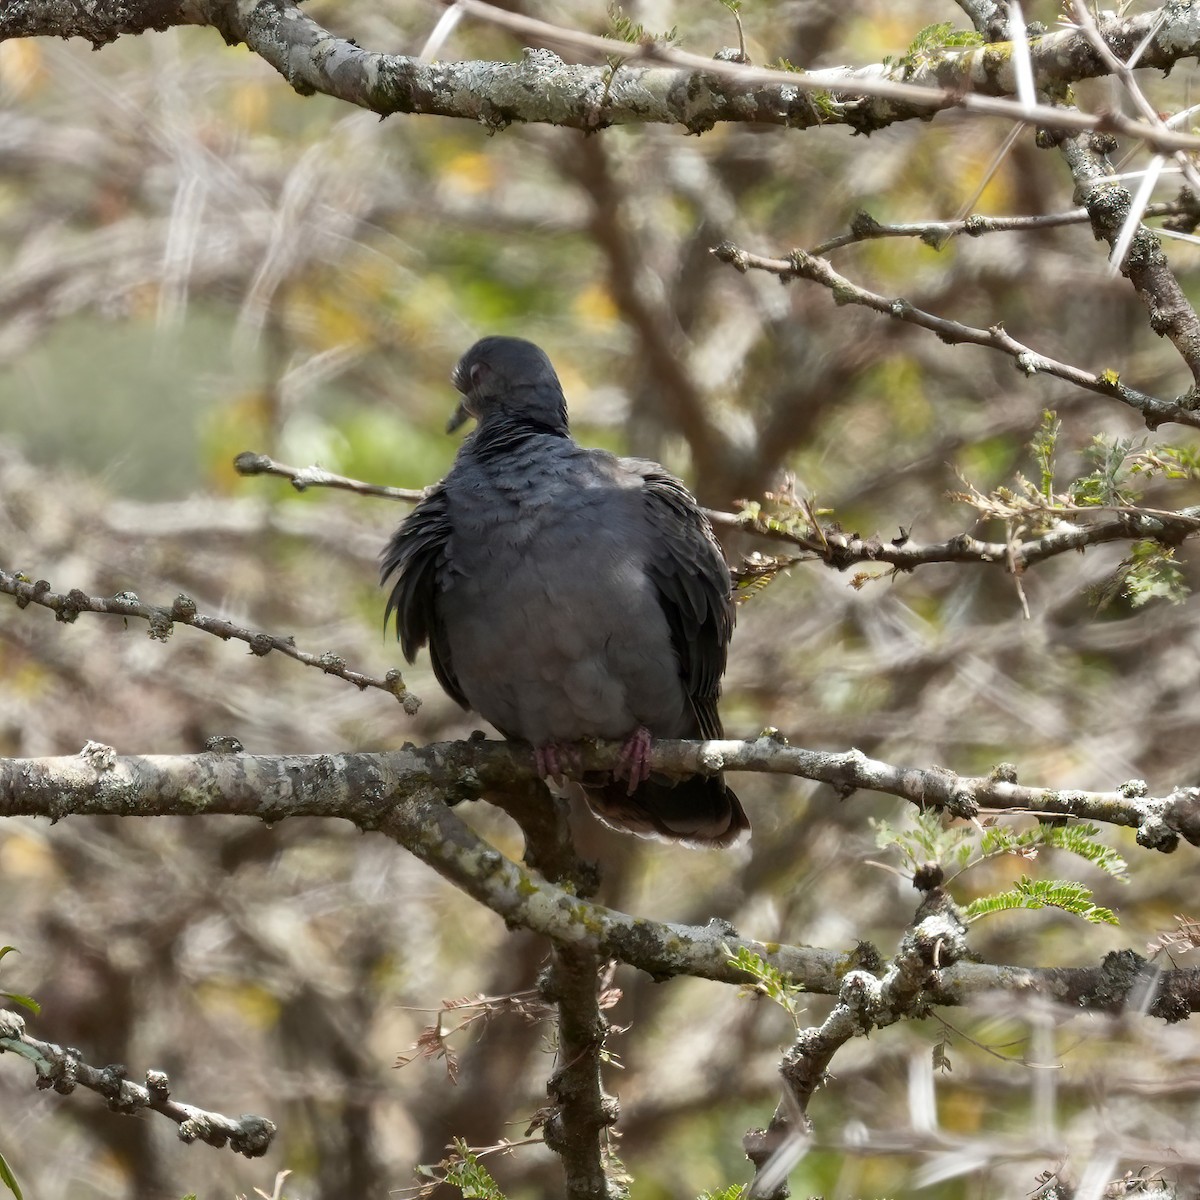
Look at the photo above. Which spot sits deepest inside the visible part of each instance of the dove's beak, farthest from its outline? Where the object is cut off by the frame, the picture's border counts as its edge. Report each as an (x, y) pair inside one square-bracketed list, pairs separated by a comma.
[(459, 417)]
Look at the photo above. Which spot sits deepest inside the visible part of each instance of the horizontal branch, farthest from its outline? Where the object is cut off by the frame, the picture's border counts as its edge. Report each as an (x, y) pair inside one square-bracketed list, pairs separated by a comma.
[(361, 787), (677, 88), (162, 620), (864, 227), (868, 98), (799, 264), (832, 546), (403, 795), (63, 1070), (845, 550), (302, 478)]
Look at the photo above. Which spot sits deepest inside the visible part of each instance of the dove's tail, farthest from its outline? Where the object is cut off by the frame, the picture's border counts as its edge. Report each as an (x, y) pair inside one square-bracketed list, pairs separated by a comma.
[(700, 811)]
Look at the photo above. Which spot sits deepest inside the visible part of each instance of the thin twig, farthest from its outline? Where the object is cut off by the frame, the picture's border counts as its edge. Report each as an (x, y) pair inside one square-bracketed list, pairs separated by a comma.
[(162, 620), (802, 265), (63, 1070), (934, 233)]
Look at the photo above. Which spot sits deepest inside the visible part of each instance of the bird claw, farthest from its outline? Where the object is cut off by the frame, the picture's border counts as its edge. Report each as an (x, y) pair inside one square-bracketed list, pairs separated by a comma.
[(554, 760), (634, 763)]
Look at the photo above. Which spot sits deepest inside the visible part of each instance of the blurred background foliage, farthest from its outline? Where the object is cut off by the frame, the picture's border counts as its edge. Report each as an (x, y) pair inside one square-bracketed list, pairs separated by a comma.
[(195, 261)]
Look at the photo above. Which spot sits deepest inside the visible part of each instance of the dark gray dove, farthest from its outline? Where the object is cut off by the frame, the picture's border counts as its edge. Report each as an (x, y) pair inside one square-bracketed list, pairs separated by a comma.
[(566, 594)]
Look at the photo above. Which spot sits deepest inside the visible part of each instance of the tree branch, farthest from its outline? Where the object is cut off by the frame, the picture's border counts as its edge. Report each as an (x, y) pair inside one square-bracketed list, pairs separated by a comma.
[(934, 942), (581, 1112), (67, 607), (801, 265), (843, 550), (864, 227), (400, 794), (361, 787), (63, 1069), (679, 88)]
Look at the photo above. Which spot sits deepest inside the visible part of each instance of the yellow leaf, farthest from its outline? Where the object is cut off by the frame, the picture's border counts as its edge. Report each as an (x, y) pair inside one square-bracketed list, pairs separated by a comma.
[(249, 105), (20, 67), (27, 857), (472, 172), (252, 1003), (595, 305)]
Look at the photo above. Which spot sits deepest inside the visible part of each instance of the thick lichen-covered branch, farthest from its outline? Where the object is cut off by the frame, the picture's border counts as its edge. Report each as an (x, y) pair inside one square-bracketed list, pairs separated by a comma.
[(404, 794), (657, 84), (367, 788)]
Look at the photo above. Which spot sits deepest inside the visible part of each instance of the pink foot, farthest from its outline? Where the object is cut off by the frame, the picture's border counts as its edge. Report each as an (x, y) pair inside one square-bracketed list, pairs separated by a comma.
[(554, 759), (634, 764)]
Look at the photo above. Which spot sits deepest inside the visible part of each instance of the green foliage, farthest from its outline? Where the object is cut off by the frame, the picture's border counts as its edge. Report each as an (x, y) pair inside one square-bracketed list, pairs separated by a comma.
[(1107, 482), (925, 48), (1043, 893), (768, 981), (958, 847), (1119, 466), (1080, 840), (465, 1172), (734, 6), (1148, 572), (735, 1191), (1171, 462), (1042, 446), (9, 1179), (625, 29), (929, 839), (1151, 573)]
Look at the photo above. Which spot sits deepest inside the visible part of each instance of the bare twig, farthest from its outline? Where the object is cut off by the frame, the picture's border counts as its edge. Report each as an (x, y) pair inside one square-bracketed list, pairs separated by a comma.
[(844, 550), (302, 478), (63, 1070), (865, 228), (866, 1001), (801, 265), (162, 620)]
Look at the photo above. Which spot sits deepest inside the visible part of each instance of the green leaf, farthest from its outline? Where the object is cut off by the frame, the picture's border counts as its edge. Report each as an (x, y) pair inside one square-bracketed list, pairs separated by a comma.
[(1108, 481), (768, 981), (929, 839), (1081, 840), (925, 46), (735, 1191), (1042, 446), (1153, 574), (1043, 893), (465, 1172), (6, 1176), (25, 1001), (625, 29)]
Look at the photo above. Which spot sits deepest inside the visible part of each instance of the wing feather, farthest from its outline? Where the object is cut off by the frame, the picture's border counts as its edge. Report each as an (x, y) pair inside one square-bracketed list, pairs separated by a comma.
[(694, 587), (418, 555)]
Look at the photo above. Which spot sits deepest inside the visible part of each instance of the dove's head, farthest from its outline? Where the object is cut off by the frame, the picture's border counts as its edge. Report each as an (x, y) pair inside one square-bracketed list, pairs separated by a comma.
[(510, 378)]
